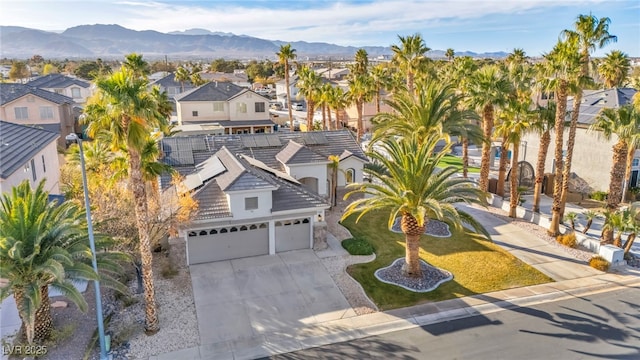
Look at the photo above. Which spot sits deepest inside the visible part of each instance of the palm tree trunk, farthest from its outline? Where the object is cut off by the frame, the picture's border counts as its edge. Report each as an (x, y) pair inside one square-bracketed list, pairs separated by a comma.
[(618, 240), (152, 324), (286, 83), (587, 226), (337, 119), (615, 184), (566, 171), (324, 117), (465, 157), (502, 168), (513, 201), (331, 125), (378, 101), (42, 325), (545, 140), (629, 243), (359, 105), (410, 82), (631, 151), (412, 232), (487, 127), (561, 109)]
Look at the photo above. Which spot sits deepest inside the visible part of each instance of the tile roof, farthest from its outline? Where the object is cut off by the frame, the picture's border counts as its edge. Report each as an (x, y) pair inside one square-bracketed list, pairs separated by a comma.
[(212, 91), (169, 80), (240, 175), (19, 144), (213, 202), (11, 92), (294, 153), (593, 101), (57, 81)]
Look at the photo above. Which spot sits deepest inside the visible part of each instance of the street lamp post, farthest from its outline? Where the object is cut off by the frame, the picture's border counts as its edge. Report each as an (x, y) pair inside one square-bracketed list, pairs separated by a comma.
[(103, 347)]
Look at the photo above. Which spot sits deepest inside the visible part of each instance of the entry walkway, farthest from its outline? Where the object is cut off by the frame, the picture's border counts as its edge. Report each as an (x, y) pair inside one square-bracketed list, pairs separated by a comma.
[(573, 279)]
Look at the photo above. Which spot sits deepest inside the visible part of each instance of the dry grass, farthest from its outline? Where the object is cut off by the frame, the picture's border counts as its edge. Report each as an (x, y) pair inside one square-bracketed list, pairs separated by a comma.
[(600, 263), (568, 240)]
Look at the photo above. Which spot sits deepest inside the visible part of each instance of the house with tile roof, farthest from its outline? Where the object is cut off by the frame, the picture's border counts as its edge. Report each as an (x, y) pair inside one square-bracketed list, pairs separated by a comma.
[(28, 153), (173, 88), (258, 194), (77, 89), (592, 155), (27, 105), (238, 109)]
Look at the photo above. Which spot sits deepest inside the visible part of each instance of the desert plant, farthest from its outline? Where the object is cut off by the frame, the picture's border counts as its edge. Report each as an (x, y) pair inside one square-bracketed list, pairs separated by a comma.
[(568, 240), (571, 218), (358, 246), (589, 215), (599, 195), (600, 263)]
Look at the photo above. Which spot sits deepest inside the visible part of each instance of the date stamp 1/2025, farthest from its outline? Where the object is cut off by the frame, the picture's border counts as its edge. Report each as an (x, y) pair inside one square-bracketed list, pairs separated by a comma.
[(26, 350)]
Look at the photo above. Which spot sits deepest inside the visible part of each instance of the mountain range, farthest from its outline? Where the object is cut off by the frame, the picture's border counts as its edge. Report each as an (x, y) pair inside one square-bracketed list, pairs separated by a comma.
[(115, 41)]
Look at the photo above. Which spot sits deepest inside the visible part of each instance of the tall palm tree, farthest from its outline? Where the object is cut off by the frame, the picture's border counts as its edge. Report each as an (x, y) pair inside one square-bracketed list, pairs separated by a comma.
[(361, 63), (124, 107), (410, 56), (309, 84), (560, 65), (590, 33), (464, 67), (517, 56), (380, 75), (488, 88), (615, 68), (326, 91), (337, 100), (624, 123), (46, 244), (286, 54), (137, 65), (182, 75), (436, 108), (542, 124), (450, 54), (360, 91), (334, 166), (412, 187)]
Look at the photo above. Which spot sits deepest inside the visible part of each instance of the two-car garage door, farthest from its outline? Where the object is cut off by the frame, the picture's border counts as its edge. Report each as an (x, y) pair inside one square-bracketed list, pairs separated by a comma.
[(238, 241)]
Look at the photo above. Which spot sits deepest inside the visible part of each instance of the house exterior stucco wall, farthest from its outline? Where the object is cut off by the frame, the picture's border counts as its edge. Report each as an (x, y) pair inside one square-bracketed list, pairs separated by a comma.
[(62, 114), (45, 165)]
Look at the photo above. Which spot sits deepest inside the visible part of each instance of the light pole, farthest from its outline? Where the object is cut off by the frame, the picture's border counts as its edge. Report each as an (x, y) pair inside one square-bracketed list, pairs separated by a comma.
[(103, 347)]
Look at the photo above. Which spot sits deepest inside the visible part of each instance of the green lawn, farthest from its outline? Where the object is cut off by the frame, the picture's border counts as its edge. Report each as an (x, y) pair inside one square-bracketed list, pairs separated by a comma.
[(478, 265), (450, 160)]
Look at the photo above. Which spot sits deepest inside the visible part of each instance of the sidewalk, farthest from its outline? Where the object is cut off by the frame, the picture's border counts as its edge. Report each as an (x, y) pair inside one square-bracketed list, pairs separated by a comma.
[(573, 279)]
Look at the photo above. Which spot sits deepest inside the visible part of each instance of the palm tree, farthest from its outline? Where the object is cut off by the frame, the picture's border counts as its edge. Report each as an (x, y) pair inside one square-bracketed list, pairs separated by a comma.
[(488, 88), (589, 216), (410, 56), (450, 54), (337, 100), (137, 65), (560, 64), (285, 54), (381, 80), (309, 84), (412, 187), (45, 244), (124, 107), (334, 166), (181, 75), (517, 56), (624, 123), (571, 218), (326, 91), (360, 91), (361, 63), (614, 223), (615, 68), (464, 68), (436, 108), (631, 216), (542, 124)]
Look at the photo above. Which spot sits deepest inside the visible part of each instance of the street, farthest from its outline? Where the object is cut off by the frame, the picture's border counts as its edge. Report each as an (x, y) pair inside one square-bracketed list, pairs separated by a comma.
[(600, 326)]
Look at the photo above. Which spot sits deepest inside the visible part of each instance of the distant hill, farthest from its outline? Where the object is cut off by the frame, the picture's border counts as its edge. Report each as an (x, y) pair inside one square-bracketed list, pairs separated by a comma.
[(115, 41)]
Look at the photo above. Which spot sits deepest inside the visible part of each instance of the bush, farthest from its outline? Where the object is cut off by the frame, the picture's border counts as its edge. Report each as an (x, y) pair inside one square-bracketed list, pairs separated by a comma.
[(358, 246), (600, 263), (568, 240), (599, 195)]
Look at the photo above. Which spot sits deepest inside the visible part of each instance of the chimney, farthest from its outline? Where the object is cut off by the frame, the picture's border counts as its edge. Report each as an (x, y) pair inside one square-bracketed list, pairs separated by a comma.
[(216, 81)]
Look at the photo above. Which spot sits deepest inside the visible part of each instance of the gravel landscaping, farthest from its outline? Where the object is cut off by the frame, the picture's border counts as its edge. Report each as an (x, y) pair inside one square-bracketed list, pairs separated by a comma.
[(431, 277), (434, 228)]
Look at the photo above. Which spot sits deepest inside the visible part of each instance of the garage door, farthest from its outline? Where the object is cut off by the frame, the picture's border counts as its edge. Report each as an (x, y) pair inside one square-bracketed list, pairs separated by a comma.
[(293, 234), (226, 243)]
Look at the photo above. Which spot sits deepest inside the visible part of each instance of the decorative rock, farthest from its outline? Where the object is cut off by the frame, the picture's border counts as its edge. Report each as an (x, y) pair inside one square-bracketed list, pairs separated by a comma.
[(59, 304), (434, 228), (431, 278)]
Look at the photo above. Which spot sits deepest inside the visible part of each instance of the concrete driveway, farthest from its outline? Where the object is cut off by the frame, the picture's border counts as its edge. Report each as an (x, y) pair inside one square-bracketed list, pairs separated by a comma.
[(255, 299)]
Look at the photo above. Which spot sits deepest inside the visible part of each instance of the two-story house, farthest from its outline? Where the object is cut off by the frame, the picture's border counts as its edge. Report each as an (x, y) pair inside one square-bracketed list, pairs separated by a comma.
[(172, 87), (28, 153), (27, 105), (78, 90), (281, 90), (238, 77), (238, 109), (259, 194)]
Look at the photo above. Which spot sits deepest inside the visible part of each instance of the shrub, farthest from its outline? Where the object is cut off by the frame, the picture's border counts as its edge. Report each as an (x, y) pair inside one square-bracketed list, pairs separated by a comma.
[(568, 240), (599, 195), (358, 246), (600, 263)]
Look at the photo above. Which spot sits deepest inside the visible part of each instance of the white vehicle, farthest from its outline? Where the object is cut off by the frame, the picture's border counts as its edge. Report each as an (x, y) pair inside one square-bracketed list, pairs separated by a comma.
[(297, 107)]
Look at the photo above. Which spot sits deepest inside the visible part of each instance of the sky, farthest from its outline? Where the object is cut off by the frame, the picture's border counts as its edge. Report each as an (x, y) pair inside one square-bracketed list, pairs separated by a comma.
[(463, 25)]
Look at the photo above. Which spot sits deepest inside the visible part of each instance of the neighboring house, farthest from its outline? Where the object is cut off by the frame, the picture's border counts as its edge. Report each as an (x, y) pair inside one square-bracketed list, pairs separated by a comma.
[(238, 109), (4, 71), (172, 87), (27, 105), (28, 153), (78, 90), (281, 90), (238, 77), (592, 155), (258, 194), (333, 74), (368, 112)]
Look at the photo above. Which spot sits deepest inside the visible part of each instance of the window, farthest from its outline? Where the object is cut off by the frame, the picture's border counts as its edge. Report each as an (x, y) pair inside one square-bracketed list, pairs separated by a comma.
[(241, 108), (218, 106), (44, 166), (636, 162), (46, 112), (350, 174), (31, 99), (250, 203), (33, 170), (75, 93), (260, 107), (194, 113), (22, 113)]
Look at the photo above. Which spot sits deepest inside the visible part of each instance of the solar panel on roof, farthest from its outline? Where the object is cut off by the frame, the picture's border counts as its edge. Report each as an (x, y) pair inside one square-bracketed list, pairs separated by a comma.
[(312, 138), (274, 140), (248, 141), (261, 141), (198, 144)]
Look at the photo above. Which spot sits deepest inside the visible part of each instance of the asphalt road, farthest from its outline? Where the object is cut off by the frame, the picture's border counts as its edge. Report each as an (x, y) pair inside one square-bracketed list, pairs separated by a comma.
[(601, 326)]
